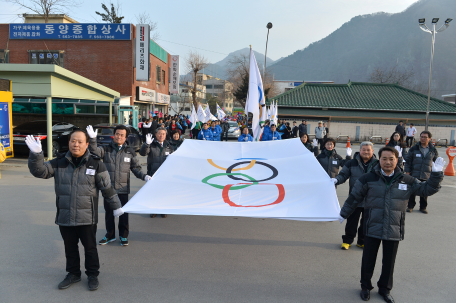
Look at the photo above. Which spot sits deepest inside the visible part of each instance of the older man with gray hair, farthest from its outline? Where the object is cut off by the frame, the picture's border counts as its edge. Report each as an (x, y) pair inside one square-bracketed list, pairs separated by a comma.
[(363, 162)]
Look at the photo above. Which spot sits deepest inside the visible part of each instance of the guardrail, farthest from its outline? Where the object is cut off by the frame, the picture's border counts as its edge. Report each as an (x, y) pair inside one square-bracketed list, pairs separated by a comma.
[(338, 137), (438, 142), (378, 139)]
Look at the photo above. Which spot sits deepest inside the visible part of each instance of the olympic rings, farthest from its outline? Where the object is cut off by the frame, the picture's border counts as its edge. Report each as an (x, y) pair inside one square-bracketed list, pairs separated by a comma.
[(252, 163), (275, 173), (205, 180), (227, 200)]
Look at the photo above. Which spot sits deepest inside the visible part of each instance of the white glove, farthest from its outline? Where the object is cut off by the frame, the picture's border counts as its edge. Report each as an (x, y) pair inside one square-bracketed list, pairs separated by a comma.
[(314, 143), (399, 150), (349, 151), (334, 180), (341, 219), (33, 145), (92, 134), (149, 139), (147, 178), (438, 165), (118, 212)]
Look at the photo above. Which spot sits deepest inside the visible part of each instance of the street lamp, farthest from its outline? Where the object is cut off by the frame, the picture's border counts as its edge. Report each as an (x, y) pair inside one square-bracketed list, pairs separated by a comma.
[(433, 32), (268, 26)]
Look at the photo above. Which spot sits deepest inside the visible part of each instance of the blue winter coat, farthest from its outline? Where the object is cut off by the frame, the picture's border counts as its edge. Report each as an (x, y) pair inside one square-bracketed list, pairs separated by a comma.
[(271, 136), (266, 130), (207, 135), (216, 132), (242, 138)]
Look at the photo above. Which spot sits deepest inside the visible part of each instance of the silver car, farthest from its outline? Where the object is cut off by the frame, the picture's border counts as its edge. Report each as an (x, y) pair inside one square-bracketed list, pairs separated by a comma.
[(234, 132)]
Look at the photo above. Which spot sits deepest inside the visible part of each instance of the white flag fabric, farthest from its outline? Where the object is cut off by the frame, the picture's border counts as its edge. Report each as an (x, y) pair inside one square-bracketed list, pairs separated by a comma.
[(274, 116), (193, 117), (238, 179), (201, 115), (255, 99), (208, 114), (220, 113)]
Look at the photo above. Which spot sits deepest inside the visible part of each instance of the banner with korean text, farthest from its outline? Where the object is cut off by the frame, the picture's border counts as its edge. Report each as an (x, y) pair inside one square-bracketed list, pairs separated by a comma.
[(240, 179), (174, 85), (142, 52)]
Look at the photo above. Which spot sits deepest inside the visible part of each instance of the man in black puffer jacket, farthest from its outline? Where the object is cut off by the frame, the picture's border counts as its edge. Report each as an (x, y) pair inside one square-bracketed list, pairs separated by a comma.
[(225, 128), (119, 159), (330, 160), (418, 164), (385, 192), (156, 151), (78, 177), (363, 162)]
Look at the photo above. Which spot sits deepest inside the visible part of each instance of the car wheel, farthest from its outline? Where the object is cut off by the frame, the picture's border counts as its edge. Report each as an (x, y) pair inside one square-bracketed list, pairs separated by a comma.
[(55, 148)]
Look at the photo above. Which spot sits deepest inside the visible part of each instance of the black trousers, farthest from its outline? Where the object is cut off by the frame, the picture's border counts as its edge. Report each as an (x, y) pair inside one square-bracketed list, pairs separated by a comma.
[(412, 202), (195, 133), (352, 226), (409, 141), (224, 134), (110, 222), (71, 236), (321, 142), (371, 246)]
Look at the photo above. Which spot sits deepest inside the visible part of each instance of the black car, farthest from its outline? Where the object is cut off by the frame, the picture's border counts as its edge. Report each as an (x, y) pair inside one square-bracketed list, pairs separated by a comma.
[(105, 134), (60, 131)]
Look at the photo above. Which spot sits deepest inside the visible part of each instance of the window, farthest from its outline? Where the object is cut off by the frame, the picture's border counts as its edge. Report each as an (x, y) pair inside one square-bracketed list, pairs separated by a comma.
[(163, 77), (103, 110), (85, 109), (158, 73), (217, 86), (29, 108), (46, 57), (208, 86), (4, 56)]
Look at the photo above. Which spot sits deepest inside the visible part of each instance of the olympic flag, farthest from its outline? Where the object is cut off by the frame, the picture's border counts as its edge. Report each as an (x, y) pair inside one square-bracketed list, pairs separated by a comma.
[(240, 179)]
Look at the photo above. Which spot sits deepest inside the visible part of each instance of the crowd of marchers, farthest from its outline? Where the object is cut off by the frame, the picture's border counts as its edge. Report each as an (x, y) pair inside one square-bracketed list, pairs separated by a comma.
[(381, 190)]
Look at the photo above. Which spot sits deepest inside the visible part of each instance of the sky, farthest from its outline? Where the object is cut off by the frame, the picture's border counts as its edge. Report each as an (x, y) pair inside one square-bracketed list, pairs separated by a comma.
[(216, 28)]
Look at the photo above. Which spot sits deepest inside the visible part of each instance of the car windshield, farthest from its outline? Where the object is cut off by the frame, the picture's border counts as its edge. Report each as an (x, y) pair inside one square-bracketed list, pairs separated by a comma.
[(233, 124), (105, 131)]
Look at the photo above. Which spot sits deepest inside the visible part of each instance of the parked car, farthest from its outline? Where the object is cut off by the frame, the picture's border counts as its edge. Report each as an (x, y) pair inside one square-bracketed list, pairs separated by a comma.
[(234, 132), (38, 129), (105, 133)]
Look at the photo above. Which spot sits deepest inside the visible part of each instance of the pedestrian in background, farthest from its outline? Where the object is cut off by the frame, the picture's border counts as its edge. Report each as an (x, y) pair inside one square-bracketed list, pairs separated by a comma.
[(400, 128), (320, 133), (411, 131), (196, 130), (397, 142), (119, 160), (362, 163), (330, 160), (225, 128), (303, 128), (385, 192), (78, 176), (418, 164), (294, 130), (326, 130)]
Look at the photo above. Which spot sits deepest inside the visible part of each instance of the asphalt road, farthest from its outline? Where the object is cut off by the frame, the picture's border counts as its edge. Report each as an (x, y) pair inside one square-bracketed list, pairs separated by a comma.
[(213, 259)]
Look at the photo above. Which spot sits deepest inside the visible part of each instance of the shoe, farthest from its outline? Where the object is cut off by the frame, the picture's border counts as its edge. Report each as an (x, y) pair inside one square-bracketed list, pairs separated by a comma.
[(69, 279), (345, 246), (164, 216), (105, 241), (386, 296), (123, 241), (409, 210), (93, 283), (365, 294), (153, 215), (360, 245), (423, 210)]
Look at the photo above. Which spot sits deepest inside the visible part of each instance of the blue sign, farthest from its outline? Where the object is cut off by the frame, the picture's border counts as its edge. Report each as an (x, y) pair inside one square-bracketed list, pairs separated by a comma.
[(70, 31), (5, 137)]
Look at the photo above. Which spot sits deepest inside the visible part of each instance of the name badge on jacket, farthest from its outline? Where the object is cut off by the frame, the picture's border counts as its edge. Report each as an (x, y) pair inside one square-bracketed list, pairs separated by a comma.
[(126, 159), (418, 155), (403, 186), (335, 162), (166, 153), (90, 172)]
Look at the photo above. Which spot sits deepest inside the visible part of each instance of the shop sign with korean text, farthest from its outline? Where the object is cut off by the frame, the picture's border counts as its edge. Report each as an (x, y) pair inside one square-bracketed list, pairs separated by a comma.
[(145, 94), (142, 52), (70, 31), (163, 99), (174, 85)]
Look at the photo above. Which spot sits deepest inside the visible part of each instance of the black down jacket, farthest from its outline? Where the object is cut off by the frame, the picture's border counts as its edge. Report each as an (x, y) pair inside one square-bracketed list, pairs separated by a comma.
[(118, 164), (419, 165), (76, 188), (156, 155), (331, 161), (385, 203), (175, 144)]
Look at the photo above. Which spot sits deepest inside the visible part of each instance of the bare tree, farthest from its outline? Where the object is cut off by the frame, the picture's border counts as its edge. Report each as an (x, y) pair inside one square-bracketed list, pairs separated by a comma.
[(144, 18), (394, 75), (111, 15), (46, 7), (194, 63)]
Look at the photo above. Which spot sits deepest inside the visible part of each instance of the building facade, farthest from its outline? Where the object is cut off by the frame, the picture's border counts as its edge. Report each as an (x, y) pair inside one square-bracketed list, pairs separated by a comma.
[(222, 90)]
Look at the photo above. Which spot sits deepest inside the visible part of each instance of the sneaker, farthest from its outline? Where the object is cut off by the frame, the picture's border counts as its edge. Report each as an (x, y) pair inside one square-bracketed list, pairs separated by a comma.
[(153, 215), (123, 241), (105, 241), (423, 210), (409, 210), (360, 245), (69, 279), (345, 246), (164, 216), (93, 283)]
